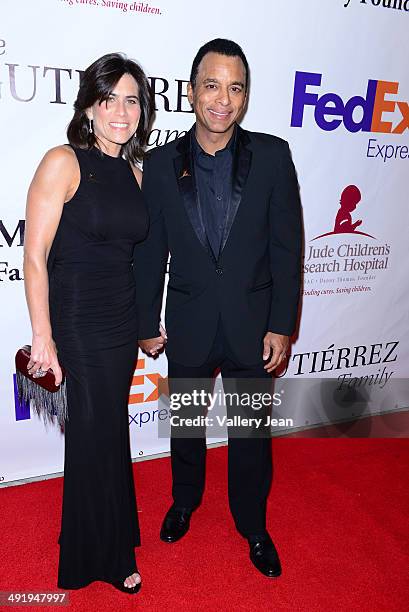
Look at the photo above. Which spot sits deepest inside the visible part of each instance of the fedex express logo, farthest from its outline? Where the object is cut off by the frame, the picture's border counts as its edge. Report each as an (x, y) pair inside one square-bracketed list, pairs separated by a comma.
[(146, 387), (330, 110)]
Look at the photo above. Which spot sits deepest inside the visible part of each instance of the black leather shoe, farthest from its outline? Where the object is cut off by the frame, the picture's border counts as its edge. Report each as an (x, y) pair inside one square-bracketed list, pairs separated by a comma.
[(175, 524), (119, 585), (264, 556)]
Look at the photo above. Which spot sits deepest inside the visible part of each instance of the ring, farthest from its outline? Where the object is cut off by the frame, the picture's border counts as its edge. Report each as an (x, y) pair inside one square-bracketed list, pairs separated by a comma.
[(39, 373)]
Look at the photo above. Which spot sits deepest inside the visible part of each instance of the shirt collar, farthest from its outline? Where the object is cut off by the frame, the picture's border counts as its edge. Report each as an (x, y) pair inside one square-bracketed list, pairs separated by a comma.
[(197, 149)]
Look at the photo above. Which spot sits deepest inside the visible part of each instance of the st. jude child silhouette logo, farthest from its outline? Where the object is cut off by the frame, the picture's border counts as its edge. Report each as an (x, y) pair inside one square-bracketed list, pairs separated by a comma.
[(350, 198)]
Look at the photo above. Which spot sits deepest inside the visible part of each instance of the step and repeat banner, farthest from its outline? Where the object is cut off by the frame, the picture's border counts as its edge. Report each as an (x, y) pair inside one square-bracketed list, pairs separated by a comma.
[(328, 76)]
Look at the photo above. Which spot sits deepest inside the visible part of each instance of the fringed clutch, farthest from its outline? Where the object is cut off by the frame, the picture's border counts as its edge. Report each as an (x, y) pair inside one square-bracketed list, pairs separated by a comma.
[(40, 391)]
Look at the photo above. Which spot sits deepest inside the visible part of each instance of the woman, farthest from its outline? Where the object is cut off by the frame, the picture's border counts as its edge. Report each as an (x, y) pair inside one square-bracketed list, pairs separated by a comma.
[(85, 213)]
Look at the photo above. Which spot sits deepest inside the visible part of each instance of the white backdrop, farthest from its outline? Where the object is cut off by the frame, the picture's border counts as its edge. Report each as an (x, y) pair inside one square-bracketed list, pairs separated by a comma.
[(354, 296)]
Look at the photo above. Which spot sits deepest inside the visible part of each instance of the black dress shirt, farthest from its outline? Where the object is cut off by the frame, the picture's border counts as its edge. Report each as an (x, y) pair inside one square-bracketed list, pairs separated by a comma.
[(213, 176)]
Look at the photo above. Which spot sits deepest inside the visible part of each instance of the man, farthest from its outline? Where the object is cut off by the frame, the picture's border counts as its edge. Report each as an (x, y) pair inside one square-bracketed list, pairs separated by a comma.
[(224, 203)]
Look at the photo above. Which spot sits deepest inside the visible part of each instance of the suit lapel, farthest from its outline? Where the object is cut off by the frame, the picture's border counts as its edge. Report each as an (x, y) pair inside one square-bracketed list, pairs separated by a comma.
[(187, 187), (184, 171), (241, 168)]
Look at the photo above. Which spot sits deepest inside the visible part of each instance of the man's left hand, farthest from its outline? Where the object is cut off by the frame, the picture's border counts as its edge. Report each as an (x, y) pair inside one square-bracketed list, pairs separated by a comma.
[(275, 345)]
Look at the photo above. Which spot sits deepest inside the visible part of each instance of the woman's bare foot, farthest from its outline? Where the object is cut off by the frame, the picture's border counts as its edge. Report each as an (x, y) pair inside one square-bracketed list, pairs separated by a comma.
[(133, 580)]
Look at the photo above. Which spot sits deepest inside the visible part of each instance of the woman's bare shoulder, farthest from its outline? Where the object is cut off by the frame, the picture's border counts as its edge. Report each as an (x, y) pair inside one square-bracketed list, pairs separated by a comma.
[(59, 166), (61, 154)]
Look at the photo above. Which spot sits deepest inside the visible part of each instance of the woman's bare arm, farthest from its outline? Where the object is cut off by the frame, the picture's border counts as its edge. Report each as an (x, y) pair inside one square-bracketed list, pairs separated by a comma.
[(56, 179)]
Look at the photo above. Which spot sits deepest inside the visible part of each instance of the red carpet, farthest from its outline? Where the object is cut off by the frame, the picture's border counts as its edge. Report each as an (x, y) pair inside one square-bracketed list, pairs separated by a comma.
[(338, 514)]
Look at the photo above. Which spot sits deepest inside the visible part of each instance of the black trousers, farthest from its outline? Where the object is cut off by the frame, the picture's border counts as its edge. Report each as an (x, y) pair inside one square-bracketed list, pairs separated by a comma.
[(249, 450)]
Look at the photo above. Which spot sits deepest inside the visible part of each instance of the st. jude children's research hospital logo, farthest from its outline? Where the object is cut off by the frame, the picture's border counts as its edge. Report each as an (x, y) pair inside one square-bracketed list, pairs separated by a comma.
[(372, 113), (350, 198), (349, 263)]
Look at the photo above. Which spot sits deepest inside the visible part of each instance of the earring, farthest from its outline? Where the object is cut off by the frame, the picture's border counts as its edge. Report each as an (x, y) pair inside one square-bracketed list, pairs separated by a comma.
[(90, 126), (135, 135)]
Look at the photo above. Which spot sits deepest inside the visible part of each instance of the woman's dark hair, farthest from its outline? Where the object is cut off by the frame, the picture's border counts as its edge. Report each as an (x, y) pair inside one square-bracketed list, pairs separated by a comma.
[(223, 47), (97, 83)]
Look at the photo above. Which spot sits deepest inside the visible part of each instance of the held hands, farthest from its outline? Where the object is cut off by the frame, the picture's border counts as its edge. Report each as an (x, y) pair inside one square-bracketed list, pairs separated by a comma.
[(43, 358), (152, 346), (275, 345)]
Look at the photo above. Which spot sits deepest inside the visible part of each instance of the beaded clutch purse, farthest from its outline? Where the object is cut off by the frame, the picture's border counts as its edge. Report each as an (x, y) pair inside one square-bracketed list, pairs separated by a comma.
[(39, 389)]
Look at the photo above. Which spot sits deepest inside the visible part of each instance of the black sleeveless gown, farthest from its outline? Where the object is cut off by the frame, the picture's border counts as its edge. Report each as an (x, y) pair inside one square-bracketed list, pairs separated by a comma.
[(94, 324)]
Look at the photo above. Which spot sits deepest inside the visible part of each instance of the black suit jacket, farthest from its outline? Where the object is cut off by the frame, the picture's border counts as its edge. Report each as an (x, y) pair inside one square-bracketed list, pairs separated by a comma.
[(254, 285)]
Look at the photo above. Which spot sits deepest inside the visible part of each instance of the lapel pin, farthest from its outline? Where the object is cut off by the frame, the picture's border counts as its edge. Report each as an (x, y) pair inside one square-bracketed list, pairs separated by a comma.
[(185, 173)]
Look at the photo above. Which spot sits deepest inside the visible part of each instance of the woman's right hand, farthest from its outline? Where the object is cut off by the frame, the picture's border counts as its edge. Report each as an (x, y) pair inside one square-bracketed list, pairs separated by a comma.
[(44, 357)]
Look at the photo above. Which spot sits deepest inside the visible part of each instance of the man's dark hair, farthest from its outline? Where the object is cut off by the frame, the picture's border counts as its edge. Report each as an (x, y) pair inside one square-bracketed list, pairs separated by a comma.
[(97, 83), (223, 47)]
